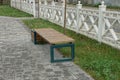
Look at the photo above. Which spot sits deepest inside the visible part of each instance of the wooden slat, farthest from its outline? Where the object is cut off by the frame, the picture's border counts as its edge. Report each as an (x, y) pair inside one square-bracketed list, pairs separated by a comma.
[(53, 36)]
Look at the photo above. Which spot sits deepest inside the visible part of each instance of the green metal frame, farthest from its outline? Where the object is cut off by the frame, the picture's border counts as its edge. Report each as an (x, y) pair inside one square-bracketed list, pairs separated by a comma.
[(52, 47), (35, 41)]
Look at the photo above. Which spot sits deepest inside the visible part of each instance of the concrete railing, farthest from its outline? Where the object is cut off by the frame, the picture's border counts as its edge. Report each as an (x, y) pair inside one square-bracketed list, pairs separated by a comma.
[(98, 24), (24, 5), (101, 25)]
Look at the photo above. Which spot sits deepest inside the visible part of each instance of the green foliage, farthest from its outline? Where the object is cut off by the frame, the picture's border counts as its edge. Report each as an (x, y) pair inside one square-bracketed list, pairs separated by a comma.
[(104, 67), (114, 8), (101, 61), (6, 10), (93, 5)]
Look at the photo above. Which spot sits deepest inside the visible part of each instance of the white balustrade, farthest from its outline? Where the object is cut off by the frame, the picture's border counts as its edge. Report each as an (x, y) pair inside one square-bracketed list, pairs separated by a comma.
[(26, 6), (102, 25), (112, 28)]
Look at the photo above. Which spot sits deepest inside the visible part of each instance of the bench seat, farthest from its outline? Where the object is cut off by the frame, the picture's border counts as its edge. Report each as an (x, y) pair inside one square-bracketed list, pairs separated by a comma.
[(53, 37)]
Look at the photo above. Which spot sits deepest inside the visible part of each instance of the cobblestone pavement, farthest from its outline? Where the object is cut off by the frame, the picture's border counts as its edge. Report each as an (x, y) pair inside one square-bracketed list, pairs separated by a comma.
[(20, 59)]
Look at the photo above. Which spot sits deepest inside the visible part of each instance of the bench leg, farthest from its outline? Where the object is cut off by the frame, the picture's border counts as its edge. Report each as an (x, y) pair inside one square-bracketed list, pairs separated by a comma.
[(36, 38), (60, 46), (33, 36)]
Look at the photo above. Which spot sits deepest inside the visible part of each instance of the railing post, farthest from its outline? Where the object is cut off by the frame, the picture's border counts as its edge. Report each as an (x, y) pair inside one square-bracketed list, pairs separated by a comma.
[(101, 23), (20, 4), (53, 3), (15, 4), (63, 12), (39, 4), (34, 9), (45, 9), (11, 3), (78, 7), (53, 14), (45, 2)]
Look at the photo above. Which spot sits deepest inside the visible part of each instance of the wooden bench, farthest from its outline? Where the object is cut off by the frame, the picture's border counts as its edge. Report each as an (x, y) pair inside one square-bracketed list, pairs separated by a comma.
[(55, 39)]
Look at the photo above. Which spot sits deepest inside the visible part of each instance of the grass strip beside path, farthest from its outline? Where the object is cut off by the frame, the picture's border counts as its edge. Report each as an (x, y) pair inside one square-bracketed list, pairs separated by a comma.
[(101, 61), (6, 10)]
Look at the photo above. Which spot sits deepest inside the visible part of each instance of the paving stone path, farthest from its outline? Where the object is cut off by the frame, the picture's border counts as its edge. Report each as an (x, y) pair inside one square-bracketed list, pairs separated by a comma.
[(20, 59)]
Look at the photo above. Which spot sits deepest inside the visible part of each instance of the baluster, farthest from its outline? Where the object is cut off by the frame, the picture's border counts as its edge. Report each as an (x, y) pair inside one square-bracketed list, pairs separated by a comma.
[(101, 25), (34, 8), (78, 7), (53, 7)]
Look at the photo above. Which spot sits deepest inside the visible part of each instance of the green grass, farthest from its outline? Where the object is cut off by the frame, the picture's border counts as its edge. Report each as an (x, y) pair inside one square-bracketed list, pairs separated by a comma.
[(101, 61), (6, 10)]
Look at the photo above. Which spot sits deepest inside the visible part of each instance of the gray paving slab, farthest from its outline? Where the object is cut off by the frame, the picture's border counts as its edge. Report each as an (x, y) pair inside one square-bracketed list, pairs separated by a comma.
[(20, 59)]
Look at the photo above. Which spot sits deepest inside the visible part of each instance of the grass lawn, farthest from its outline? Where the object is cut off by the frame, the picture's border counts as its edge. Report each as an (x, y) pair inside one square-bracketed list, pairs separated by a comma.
[(102, 62), (6, 10)]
